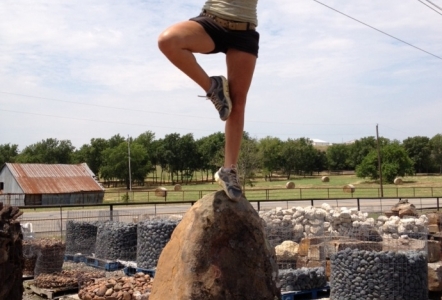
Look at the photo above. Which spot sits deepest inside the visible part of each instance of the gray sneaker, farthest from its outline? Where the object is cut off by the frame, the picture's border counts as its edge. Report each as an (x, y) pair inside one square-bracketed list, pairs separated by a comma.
[(219, 95), (228, 179)]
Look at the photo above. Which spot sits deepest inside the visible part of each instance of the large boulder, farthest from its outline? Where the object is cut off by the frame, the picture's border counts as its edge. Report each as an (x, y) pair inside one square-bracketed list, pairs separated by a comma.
[(404, 208), (435, 277), (218, 251)]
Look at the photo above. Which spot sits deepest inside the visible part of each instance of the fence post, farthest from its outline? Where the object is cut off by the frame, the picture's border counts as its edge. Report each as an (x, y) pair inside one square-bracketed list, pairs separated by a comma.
[(312, 202), (437, 203), (259, 205), (359, 204), (61, 222), (111, 212)]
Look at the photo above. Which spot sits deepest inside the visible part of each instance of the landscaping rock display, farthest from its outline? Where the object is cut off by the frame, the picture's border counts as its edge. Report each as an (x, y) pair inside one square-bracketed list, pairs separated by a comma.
[(116, 241), (81, 237), (50, 256), (153, 235), (359, 274), (302, 279), (297, 223)]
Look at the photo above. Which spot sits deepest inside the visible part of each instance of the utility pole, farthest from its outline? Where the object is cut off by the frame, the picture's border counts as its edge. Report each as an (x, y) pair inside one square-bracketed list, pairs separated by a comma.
[(379, 162), (128, 152)]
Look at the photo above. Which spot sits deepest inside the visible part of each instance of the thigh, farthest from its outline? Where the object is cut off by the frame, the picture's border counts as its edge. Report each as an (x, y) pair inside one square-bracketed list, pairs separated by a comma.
[(240, 69), (188, 35)]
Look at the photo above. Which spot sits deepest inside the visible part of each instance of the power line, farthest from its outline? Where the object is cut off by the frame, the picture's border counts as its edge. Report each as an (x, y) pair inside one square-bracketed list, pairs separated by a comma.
[(383, 32), (165, 113), (149, 126), (429, 6), (434, 4)]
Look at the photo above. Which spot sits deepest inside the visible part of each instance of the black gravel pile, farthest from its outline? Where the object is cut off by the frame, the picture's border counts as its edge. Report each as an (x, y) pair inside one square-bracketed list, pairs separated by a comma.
[(81, 237), (116, 240), (153, 235), (302, 279), (361, 274)]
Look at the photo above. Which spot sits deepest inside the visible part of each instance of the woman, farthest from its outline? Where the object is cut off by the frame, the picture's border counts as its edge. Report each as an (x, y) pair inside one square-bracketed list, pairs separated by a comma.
[(226, 26)]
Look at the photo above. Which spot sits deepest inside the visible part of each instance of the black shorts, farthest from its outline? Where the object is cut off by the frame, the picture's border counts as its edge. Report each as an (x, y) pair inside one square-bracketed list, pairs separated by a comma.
[(243, 40)]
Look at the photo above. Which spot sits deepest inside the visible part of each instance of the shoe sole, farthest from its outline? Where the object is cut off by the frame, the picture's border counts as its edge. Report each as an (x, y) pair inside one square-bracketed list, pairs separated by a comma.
[(224, 186), (227, 95)]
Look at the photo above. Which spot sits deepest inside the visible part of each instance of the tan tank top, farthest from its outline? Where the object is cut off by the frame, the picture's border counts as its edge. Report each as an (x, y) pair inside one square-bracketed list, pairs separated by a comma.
[(235, 10)]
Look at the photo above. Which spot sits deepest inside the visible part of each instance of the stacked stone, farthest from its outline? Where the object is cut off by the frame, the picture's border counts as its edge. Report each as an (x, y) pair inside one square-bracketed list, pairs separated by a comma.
[(81, 237), (395, 227), (361, 274), (116, 240), (298, 222), (153, 235), (302, 279)]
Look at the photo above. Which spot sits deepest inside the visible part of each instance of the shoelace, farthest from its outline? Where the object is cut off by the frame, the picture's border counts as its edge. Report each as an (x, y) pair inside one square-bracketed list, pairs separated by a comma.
[(233, 176), (215, 101)]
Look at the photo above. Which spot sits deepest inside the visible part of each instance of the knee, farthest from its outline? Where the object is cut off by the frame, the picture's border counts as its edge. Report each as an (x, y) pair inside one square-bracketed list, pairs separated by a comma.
[(167, 42)]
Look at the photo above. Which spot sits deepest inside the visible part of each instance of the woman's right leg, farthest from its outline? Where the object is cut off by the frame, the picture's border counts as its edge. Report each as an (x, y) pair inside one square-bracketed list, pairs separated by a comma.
[(179, 42)]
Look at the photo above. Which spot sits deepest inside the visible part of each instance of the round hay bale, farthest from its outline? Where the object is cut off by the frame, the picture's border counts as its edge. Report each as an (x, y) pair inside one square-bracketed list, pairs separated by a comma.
[(161, 192), (398, 181), (177, 187), (348, 188), (325, 179), (290, 185)]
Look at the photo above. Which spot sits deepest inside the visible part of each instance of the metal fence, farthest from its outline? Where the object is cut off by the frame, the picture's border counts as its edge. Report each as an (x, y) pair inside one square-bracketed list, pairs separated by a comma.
[(50, 221)]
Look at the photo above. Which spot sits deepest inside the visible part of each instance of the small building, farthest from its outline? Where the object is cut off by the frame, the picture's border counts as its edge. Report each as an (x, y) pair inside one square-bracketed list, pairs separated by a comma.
[(318, 142), (49, 184)]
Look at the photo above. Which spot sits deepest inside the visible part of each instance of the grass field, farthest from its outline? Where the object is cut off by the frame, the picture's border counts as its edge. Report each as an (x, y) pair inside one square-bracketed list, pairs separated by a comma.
[(305, 188)]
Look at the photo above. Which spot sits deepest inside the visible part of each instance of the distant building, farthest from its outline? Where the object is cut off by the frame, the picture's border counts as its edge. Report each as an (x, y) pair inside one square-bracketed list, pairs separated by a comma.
[(317, 142), (49, 184)]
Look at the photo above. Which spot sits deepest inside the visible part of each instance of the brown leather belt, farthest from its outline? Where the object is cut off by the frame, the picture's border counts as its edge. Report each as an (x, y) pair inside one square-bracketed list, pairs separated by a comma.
[(231, 25)]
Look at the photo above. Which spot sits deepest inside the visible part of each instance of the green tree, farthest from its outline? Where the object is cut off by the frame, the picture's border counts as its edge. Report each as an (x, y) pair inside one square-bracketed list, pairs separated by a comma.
[(211, 152), (8, 153), (337, 156), (320, 161), (359, 150), (288, 157), (436, 150), (49, 151), (270, 155), (248, 160), (306, 154), (92, 154), (395, 162), (116, 163), (418, 149)]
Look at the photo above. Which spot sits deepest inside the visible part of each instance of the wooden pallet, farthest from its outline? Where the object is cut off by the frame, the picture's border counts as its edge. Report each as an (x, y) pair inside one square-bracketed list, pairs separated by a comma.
[(312, 294), (51, 293), (107, 265), (130, 271)]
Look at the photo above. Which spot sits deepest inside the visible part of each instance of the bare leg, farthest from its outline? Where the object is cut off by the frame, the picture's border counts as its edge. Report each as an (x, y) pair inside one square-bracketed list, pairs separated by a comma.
[(240, 68), (179, 42)]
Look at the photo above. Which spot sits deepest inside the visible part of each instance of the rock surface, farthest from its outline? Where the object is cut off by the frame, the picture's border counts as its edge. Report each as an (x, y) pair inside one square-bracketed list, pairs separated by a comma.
[(11, 254), (218, 251)]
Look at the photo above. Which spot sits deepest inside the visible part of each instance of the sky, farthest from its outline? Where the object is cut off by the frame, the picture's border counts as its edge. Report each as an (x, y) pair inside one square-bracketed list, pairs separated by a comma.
[(330, 70)]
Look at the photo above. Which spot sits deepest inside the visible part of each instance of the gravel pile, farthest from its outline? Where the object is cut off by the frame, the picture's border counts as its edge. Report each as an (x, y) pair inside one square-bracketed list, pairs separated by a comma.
[(302, 279), (360, 274), (137, 287), (116, 240), (81, 237), (153, 235)]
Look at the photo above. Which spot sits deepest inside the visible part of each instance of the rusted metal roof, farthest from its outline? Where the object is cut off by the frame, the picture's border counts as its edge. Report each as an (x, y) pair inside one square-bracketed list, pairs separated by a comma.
[(54, 178)]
